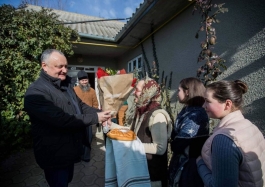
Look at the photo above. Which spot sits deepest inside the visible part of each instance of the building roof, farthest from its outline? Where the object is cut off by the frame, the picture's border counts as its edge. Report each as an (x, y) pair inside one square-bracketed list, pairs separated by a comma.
[(114, 38), (105, 30), (150, 13)]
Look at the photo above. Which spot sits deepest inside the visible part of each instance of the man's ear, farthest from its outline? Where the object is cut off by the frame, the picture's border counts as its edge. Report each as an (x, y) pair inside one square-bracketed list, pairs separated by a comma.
[(228, 105), (44, 66)]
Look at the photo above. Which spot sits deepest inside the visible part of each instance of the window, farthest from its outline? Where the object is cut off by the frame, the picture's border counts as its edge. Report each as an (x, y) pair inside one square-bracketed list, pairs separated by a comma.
[(129, 67), (135, 63), (139, 62)]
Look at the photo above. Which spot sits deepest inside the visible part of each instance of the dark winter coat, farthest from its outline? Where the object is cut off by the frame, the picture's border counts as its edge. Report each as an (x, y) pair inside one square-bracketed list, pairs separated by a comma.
[(189, 133), (58, 118)]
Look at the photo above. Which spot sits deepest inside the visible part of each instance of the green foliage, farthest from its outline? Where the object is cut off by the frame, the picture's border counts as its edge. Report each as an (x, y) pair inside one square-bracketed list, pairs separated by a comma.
[(166, 102), (24, 36), (111, 71)]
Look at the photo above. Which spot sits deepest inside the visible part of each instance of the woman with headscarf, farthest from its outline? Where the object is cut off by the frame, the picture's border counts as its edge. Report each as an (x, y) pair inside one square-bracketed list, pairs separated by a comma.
[(152, 125)]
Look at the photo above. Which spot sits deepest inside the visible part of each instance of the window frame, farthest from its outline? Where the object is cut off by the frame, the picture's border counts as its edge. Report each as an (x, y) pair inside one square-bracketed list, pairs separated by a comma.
[(135, 61)]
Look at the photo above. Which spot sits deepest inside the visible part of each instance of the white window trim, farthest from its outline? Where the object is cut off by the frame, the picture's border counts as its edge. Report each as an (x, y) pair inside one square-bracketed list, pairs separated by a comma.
[(130, 66)]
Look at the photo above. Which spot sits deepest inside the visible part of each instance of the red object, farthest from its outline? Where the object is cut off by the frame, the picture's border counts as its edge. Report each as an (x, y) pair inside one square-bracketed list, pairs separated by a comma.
[(134, 82), (101, 73), (122, 71)]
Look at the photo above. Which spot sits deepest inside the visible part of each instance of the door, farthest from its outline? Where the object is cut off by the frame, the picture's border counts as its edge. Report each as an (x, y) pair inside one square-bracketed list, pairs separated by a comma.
[(91, 78), (91, 72)]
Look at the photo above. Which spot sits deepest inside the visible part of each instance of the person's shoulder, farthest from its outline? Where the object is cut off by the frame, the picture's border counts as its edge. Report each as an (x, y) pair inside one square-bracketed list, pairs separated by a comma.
[(198, 111), (197, 114), (36, 87), (30, 88), (92, 90), (76, 88), (160, 114), (35, 84), (70, 80)]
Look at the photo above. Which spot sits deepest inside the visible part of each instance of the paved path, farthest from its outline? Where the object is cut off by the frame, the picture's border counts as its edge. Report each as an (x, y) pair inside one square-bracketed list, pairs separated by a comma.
[(22, 170)]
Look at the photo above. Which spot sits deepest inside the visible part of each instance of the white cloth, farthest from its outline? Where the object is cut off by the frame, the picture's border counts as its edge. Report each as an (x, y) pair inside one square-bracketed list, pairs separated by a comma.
[(125, 164)]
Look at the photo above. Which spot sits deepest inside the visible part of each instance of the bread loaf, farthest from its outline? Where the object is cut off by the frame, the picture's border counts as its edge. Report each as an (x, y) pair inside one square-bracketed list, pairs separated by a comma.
[(122, 134)]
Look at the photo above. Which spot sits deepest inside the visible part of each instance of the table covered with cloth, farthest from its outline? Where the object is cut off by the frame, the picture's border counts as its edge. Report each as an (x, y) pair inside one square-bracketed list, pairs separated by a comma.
[(125, 164)]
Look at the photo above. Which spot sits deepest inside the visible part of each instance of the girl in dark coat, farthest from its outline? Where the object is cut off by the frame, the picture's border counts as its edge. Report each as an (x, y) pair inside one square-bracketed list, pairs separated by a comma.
[(188, 135)]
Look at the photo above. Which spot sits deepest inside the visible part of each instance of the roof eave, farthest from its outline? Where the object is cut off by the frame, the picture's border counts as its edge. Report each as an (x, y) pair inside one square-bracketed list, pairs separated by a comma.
[(143, 9), (102, 38)]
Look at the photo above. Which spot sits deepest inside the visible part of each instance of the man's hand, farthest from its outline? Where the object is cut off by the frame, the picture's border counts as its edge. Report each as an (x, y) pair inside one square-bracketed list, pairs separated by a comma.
[(103, 116), (107, 123)]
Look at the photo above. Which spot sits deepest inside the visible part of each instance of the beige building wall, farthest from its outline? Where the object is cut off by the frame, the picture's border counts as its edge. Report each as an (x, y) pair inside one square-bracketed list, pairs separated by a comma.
[(240, 41)]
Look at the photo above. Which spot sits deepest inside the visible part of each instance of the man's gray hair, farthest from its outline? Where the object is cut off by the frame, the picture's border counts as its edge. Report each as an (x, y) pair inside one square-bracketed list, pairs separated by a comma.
[(47, 53)]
